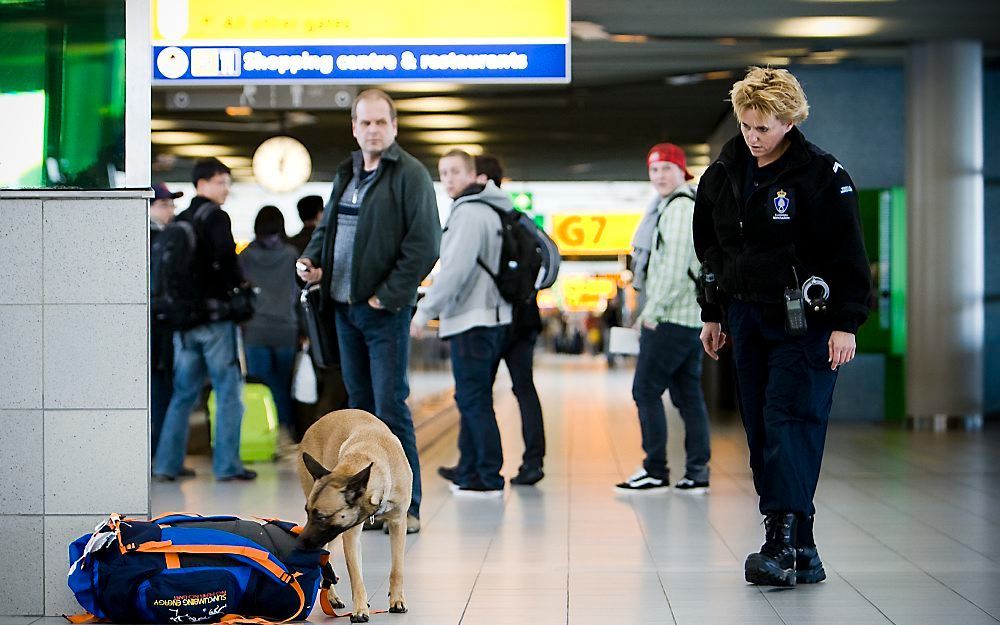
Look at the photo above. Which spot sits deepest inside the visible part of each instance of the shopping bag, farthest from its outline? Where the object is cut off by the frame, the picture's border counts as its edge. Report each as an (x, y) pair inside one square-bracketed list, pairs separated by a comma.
[(304, 381)]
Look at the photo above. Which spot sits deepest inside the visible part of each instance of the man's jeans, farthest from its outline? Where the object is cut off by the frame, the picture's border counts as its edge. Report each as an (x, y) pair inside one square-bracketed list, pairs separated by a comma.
[(670, 358), (209, 349), (519, 353), (374, 355), (273, 366), (474, 357)]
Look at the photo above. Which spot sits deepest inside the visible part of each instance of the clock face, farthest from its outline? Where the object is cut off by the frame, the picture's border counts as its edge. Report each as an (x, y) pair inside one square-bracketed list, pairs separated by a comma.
[(281, 164)]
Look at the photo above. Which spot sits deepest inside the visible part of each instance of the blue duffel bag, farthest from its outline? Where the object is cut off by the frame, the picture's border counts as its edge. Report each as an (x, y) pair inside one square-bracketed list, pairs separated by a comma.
[(184, 568)]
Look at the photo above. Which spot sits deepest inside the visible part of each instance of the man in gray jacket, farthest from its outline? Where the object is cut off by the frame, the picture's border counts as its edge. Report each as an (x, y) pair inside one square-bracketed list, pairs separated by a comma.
[(474, 317), (379, 238)]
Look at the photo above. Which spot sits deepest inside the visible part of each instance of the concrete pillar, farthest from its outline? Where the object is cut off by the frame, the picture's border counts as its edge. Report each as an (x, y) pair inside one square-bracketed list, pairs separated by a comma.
[(945, 232)]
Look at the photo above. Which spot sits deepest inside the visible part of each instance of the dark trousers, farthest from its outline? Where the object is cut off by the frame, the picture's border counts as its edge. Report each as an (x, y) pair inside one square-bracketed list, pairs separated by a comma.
[(519, 354), (161, 389), (474, 357), (786, 390), (670, 359), (374, 354)]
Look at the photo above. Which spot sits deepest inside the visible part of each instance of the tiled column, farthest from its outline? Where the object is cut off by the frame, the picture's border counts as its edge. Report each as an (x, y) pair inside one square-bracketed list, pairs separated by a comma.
[(74, 378)]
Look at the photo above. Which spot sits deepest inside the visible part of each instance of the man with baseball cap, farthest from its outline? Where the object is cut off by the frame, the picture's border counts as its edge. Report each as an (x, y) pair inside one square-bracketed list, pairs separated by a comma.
[(669, 344), (161, 353)]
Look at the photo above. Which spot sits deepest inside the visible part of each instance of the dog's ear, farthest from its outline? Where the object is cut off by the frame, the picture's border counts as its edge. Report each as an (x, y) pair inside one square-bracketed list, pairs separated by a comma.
[(315, 469), (357, 485)]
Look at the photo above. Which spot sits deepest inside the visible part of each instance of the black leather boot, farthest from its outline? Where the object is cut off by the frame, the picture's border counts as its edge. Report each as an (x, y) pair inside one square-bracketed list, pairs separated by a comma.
[(808, 566), (774, 564)]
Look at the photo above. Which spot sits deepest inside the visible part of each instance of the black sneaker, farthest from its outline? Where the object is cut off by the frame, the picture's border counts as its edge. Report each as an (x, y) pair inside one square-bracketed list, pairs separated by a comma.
[(448, 473), (246, 475), (477, 491), (163, 477), (642, 482), (774, 564), (527, 477), (692, 487)]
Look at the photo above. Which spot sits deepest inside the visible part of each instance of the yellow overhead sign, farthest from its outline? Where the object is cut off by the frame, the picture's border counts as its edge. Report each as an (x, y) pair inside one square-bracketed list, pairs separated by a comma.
[(595, 234), (180, 21), (585, 293)]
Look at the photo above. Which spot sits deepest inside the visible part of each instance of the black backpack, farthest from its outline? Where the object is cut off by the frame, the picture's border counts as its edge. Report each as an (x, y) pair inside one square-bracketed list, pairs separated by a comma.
[(526, 262), (173, 302)]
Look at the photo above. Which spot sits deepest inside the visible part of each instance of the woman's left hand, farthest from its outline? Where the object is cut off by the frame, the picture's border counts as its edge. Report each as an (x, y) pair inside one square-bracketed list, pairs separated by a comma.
[(842, 348)]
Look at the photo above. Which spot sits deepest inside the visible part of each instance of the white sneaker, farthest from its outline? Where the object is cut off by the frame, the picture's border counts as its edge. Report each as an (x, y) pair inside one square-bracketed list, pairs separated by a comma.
[(640, 481)]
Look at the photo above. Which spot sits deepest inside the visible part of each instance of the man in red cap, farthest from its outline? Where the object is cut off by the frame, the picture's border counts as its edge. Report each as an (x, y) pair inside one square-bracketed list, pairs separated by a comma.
[(669, 344)]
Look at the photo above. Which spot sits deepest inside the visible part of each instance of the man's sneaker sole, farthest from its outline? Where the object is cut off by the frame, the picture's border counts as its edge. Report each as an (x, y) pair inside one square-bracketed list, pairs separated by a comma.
[(764, 571), (810, 577)]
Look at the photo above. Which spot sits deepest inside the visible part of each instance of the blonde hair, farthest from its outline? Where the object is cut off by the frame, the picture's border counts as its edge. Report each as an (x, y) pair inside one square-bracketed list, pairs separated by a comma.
[(770, 91)]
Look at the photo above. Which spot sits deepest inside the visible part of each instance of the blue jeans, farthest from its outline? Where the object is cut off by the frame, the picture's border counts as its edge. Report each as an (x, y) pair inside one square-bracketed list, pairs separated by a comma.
[(209, 349), (785, 387), (670, 358), (273, 366), (474, 357), (374, 355)]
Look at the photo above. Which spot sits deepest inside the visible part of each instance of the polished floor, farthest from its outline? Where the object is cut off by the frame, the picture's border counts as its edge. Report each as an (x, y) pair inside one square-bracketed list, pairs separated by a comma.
[(908, 525)]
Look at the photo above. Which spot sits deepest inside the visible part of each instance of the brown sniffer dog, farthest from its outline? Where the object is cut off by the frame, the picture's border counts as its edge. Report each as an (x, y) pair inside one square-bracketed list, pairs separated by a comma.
[(353, 468)]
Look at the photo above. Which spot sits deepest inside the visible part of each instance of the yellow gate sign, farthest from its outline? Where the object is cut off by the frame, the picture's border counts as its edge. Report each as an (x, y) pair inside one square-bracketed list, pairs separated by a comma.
[(586, 293), (595, 234)]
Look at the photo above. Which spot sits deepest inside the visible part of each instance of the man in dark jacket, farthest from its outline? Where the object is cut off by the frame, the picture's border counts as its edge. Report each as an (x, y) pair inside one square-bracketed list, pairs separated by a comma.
[(211, 346), (379, 238), (161, 340), (310, 210), (773, 214)]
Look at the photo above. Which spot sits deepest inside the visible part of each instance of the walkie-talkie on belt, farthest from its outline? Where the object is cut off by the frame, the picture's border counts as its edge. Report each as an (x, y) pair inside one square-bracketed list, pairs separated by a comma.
[(795, 313)]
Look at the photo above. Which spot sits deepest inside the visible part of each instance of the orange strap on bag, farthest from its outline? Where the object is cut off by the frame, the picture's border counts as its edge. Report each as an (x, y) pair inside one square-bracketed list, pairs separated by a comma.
[(257, 555)]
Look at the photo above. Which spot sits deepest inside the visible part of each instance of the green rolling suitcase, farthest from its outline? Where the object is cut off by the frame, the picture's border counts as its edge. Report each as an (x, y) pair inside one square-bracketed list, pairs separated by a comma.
[(259, 432)]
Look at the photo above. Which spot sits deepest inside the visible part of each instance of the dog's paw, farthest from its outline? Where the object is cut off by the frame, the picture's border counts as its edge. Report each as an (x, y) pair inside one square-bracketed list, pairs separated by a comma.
[(338, 605), (359, 618), (397, 608)]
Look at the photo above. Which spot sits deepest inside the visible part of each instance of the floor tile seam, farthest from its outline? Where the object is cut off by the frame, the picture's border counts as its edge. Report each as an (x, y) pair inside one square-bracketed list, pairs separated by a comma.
[(945, 498), (900, 511), (482, 565), (915, 565), (642, 529)]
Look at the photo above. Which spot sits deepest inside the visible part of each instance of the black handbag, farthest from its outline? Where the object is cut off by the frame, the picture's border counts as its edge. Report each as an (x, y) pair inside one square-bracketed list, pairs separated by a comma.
[(319, 328)]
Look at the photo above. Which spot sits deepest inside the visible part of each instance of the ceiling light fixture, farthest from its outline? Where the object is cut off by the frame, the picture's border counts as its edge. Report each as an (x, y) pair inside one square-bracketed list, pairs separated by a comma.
[(629, 38), (422, 87), (178, 138), (445, 122), (203, 151), (441, 150), (588, 31), (449, 136), (844, 26), (432, 105)]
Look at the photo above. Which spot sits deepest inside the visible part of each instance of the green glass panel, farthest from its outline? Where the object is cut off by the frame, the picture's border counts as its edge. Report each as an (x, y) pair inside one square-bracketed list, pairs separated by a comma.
[(67, 57)]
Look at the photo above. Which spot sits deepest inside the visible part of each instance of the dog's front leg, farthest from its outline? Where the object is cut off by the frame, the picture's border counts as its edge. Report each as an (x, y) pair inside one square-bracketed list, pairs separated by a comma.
[(397, 542), (352, 554)]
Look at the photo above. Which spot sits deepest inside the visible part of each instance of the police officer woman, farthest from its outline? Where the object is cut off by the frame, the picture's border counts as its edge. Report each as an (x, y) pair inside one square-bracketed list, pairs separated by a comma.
[(774, 212)]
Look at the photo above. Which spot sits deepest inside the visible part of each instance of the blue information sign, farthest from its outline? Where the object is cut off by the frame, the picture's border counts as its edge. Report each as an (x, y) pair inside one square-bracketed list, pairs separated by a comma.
[(515, 62)]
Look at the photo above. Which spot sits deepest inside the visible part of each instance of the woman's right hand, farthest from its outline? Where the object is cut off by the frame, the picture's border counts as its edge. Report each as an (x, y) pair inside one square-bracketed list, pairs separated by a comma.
[(712, 339)]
